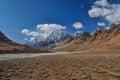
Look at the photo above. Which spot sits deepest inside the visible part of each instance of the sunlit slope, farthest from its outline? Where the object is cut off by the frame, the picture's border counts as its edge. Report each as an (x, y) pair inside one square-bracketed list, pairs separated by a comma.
[(102, 39)]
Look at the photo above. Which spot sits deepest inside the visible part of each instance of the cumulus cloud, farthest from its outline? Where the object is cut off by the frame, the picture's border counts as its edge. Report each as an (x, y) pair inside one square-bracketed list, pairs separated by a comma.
[(30, 33), (110, 12), (25, 31), (42, 31), (101, 24), (78, 25), (98, 12), (102, 3)]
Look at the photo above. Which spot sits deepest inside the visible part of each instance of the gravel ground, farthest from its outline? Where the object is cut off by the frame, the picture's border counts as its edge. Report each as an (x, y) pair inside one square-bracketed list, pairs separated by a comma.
[(80, 66)]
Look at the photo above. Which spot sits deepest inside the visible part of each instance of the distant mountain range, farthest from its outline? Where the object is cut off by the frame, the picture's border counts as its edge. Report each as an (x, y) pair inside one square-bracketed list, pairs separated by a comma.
[(100, 39), (51, 41)]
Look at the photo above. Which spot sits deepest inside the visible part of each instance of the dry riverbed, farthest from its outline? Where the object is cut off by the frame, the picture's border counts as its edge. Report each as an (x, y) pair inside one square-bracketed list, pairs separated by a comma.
[(81, 66)]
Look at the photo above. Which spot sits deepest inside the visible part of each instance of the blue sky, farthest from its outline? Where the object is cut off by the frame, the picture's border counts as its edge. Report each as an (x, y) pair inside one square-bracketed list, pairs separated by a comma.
[(16, 15)]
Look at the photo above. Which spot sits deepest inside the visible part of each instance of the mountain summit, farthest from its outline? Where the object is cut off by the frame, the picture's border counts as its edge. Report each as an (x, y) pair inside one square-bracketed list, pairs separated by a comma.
[(52, 40)]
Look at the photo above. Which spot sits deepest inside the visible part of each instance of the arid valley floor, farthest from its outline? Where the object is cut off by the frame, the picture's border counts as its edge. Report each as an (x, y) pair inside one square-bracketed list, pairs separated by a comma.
[(76, 66)]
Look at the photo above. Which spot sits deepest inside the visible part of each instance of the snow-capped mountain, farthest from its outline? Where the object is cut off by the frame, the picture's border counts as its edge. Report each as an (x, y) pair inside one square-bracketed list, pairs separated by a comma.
[(58, 36), (77, 34), (81, 34), (52, 40), (55, 35)]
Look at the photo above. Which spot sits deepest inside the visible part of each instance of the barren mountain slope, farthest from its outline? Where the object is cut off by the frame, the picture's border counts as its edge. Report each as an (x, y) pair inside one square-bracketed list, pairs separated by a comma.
[(112, 44), (101, 39), (8, 46)]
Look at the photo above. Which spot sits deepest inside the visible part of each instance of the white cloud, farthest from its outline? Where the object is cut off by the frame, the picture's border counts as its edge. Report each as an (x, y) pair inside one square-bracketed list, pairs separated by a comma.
[(30, 33), (102, 3), (42, 31), (77, 25), (98, 12), (25, 31), (110, 12), (101, 24), (114, 17)]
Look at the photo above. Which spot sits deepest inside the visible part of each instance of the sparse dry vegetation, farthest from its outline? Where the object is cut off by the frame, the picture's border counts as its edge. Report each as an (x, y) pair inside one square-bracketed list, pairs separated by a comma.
[(82, 66)]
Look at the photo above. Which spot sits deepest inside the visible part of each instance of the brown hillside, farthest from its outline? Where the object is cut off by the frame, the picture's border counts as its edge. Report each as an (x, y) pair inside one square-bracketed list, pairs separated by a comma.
[(102, 39), (8, 46)]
